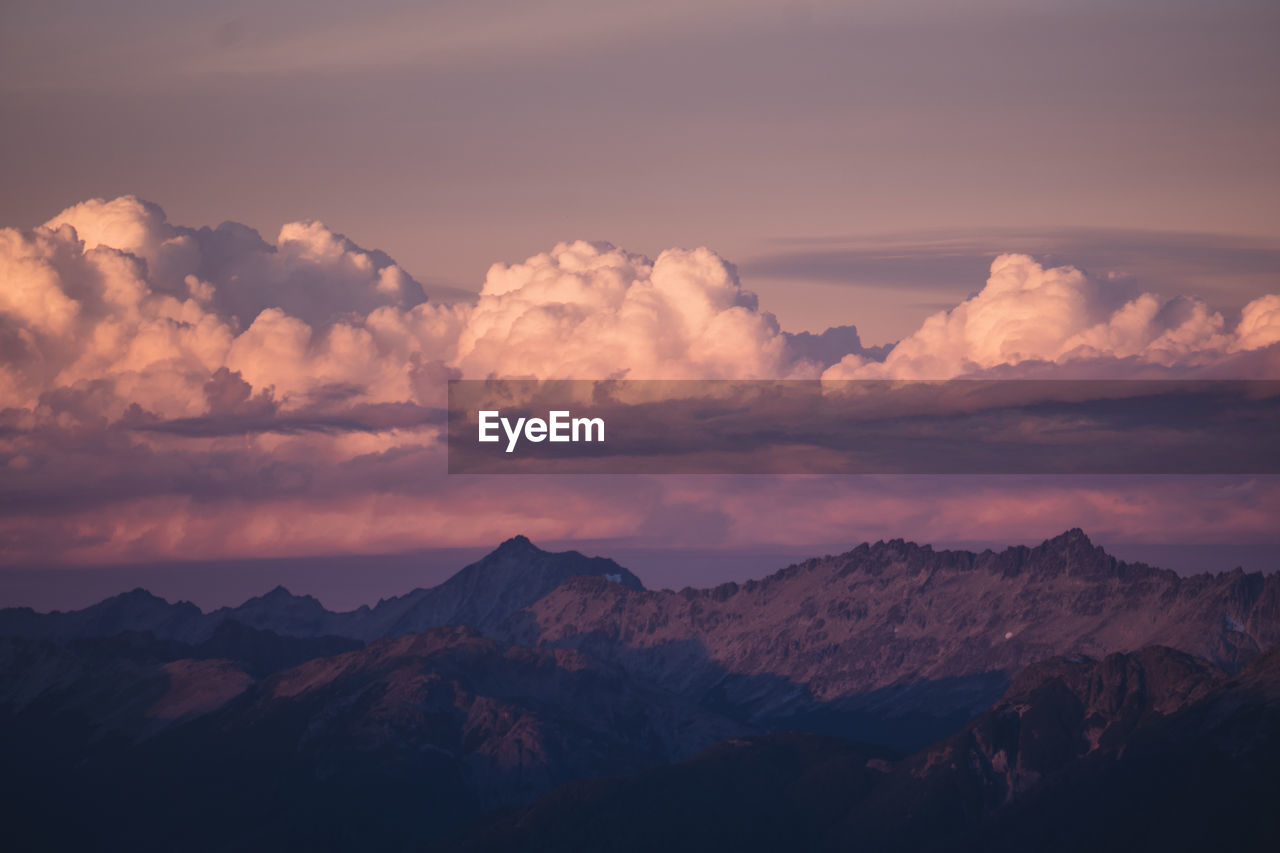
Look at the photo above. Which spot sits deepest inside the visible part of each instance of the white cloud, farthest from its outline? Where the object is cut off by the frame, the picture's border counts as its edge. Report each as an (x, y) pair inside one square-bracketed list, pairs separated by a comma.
[(109, 296), (310, 272), (1259, 323), (1027, 314), (110, 291), (593, 311)]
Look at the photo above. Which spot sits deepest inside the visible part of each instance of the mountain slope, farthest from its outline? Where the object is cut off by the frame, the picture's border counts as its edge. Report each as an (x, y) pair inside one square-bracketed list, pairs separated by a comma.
[(385, 747), (487, 593), (1150, 750), (134, 684), (767, 793), (889, 631), (483, 595), (1153, 750)]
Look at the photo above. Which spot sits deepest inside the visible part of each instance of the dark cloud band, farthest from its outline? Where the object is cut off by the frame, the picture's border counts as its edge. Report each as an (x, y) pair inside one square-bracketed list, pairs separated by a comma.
[(878, 427)]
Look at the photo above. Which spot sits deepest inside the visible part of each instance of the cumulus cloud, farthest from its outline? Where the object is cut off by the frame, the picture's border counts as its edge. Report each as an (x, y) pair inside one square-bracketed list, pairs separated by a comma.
[(1029, 315), (310, 272), (589, 310), (109, 291), (1259, 324)]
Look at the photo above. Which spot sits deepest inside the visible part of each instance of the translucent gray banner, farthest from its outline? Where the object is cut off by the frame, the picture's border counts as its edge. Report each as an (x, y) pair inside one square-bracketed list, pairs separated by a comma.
[(864, 427)]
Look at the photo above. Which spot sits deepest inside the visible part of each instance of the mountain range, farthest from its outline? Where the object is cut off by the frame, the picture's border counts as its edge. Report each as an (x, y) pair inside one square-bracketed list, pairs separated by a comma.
[(481, 595), (534, 700), (892, 642)]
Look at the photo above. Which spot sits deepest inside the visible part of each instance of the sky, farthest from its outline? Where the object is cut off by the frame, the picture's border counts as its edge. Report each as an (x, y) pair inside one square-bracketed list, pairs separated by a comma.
[(570, 189), (452, 135)]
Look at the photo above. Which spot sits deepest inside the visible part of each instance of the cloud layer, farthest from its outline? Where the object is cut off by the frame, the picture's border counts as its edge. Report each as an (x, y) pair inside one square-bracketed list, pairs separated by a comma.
[(169, 391), (111, 302)]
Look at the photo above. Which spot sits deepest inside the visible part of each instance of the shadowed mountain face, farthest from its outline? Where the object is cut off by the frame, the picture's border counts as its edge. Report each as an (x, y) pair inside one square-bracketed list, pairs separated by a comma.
[(766, 792), (378, 748), (1146, 751), (521, 719), (1151, 750), (133, 685), (79, 697)]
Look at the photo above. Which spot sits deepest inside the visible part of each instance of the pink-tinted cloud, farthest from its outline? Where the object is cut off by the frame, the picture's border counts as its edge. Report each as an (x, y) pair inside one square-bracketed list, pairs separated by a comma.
[(1027, 314), (170, 392)]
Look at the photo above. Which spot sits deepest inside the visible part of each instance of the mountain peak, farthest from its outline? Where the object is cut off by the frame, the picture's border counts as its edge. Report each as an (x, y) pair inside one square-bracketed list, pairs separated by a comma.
[(279, 597), (1074, 536), (139, 594), (491, 590), (516, 544), (520, 562)]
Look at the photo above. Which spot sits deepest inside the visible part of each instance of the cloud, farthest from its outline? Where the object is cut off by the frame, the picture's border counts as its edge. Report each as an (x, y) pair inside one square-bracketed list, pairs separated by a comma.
[(110, 292), (1031, 315), (168, 391), (592, 310), (311, 272), (1259, 324)]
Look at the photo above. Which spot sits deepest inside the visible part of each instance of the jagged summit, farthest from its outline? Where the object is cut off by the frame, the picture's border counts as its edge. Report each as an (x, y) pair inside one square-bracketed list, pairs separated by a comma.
[(1074, 541), (1070, 537), (1071, 552), (138, 598), (279, 592), (278, 596), (522, 547), (888, 550), (491, 590), (519, 542)]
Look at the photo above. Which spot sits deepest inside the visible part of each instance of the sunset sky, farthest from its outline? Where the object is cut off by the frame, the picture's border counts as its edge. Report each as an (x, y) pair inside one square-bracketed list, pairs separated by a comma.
[(575, 189)]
